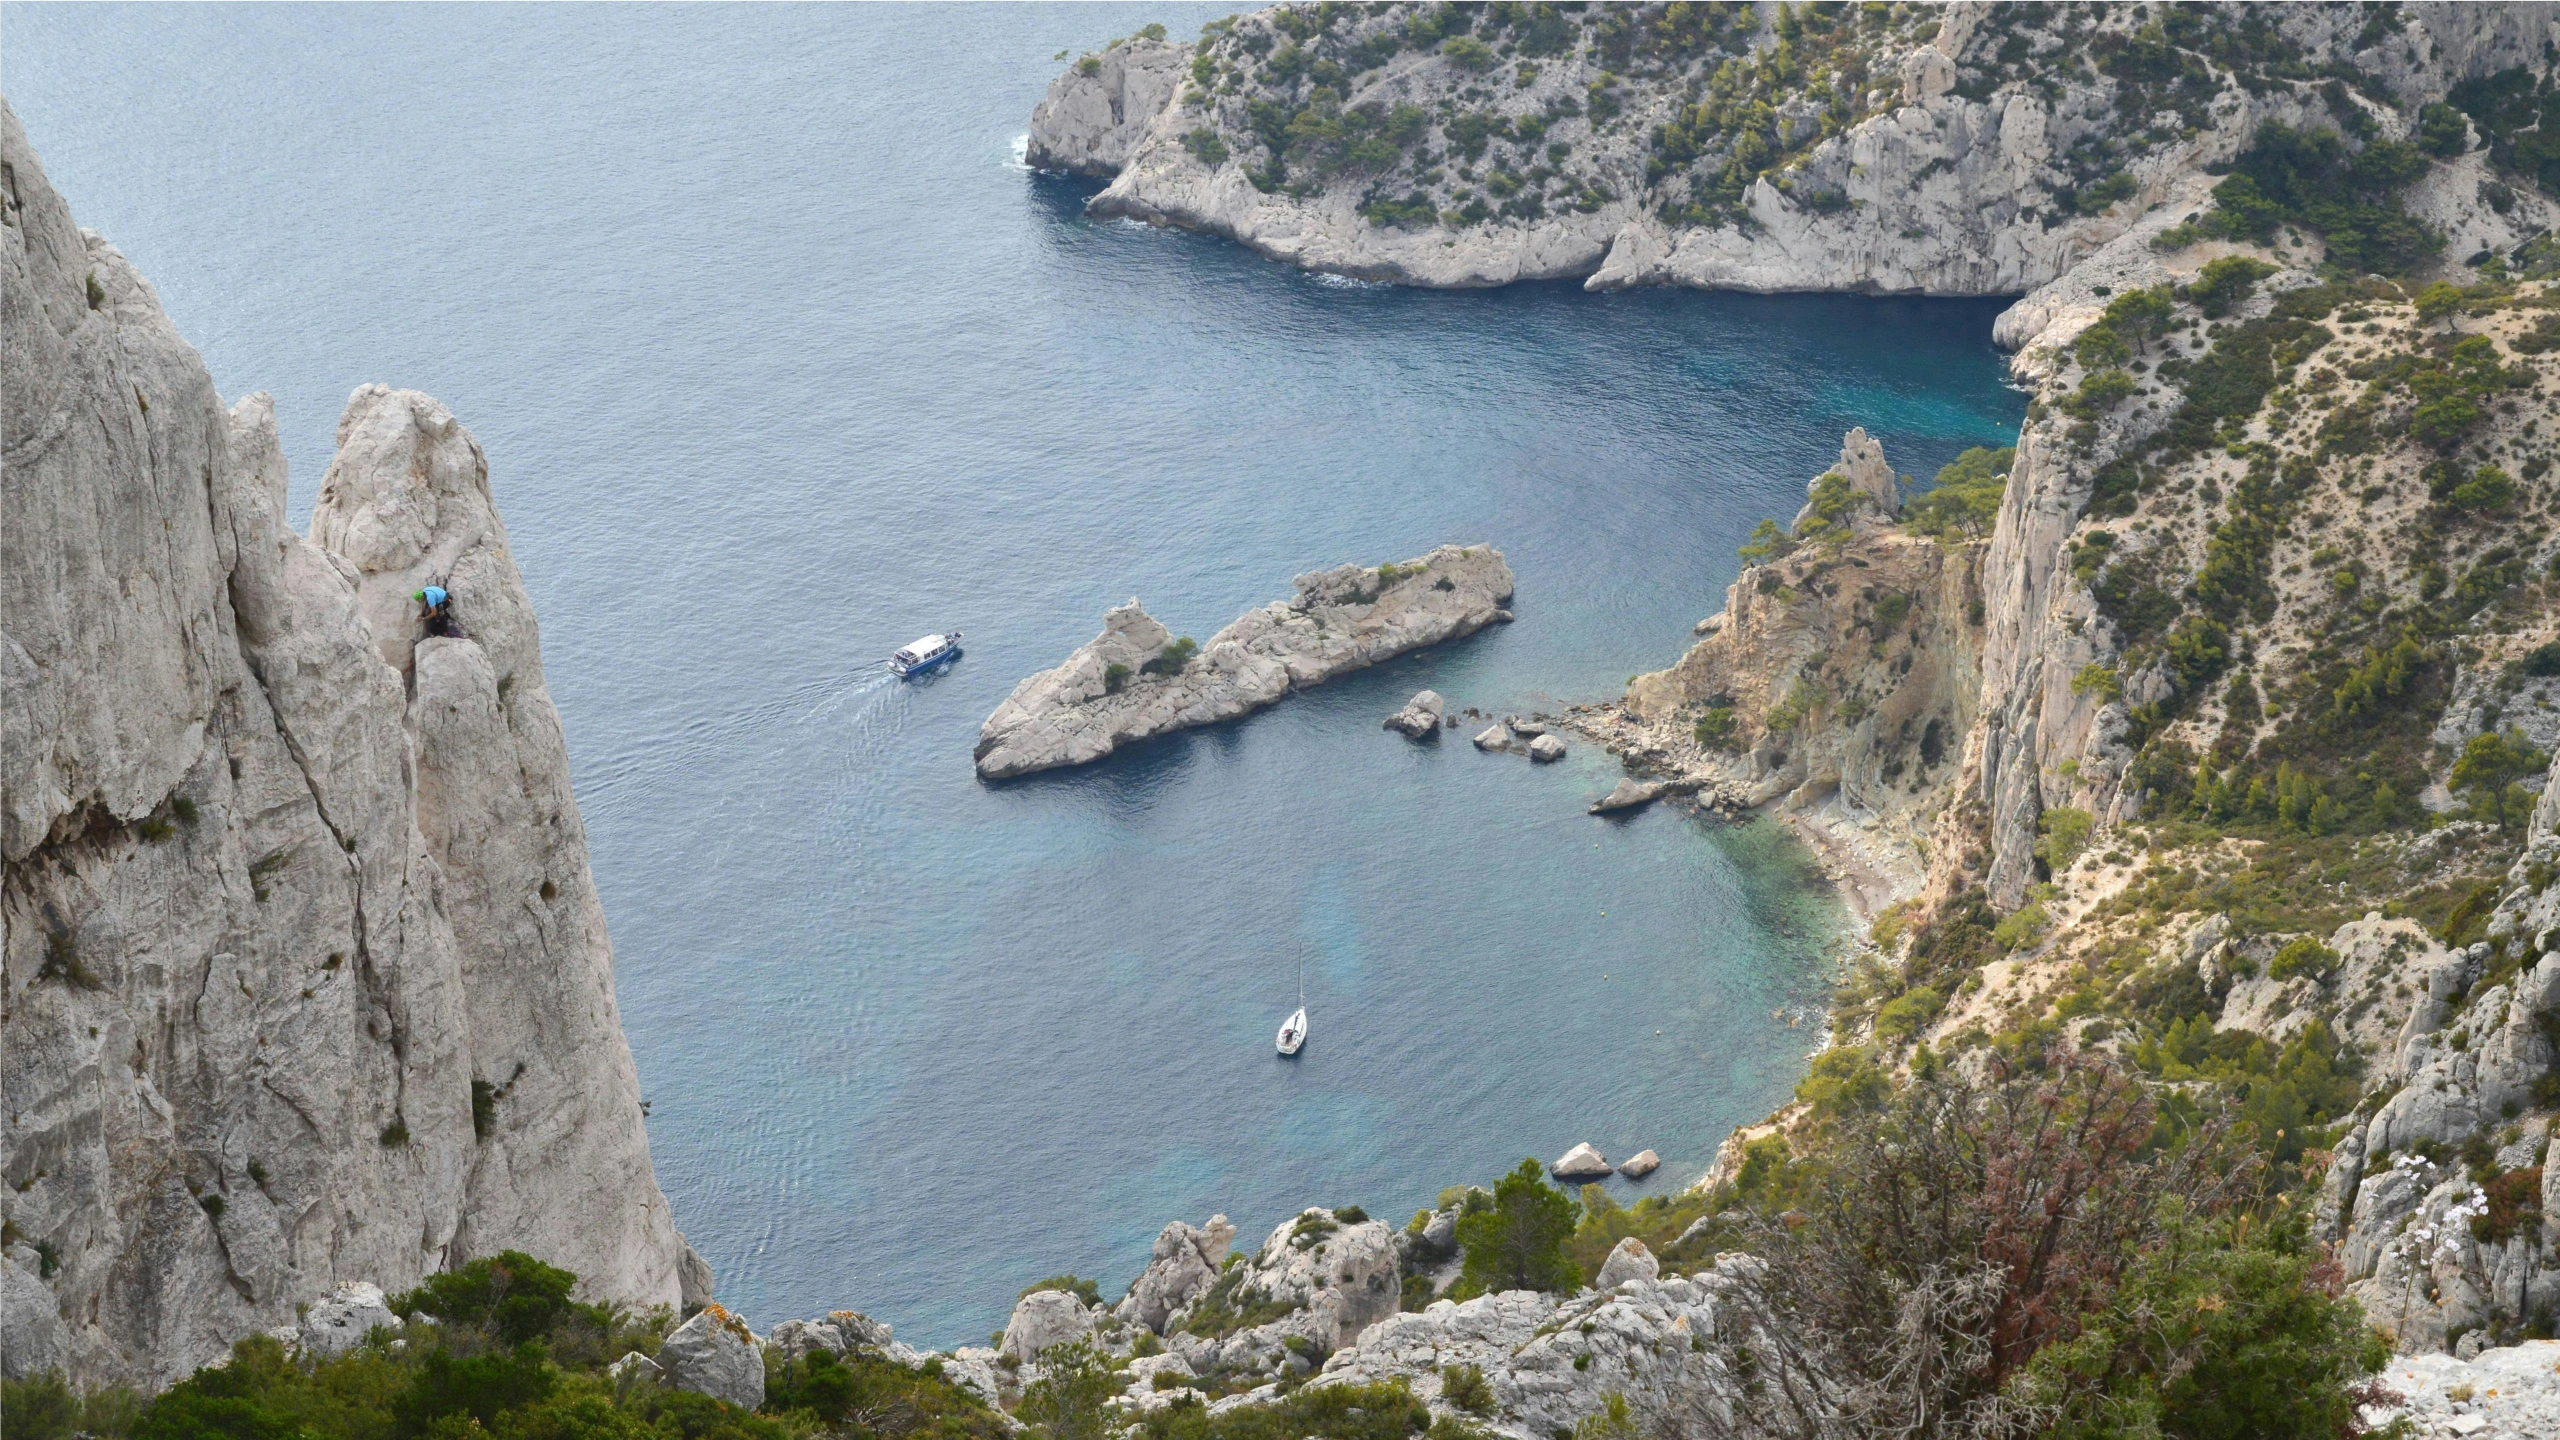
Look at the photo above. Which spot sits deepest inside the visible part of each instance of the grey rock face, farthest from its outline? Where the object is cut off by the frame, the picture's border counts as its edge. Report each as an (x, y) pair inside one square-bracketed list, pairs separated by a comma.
[(1343, 1278), (269, 914), (1181, 1269), (1090, 123), (1629, 1261), (1874, 496), (1420, 717), (715, 1354), (1343, 619), (1551, 1363), (339, 1321), (1042, 1319), (839, 1332)]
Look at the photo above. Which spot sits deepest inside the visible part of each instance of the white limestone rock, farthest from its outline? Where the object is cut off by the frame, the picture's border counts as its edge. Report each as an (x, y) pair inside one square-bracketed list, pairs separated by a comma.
[(1420, 717), (1088, 123), (1875, 498), (974, 1368), (2509, 1393), (1629, 1261), (1546, 749), (1042, 1319), (635, 1368), (1180, 1270), (339, 1321), (1640, 1164), (1493, 737), (265, 907), (1582, 1162), (838, 1332), (715, 1354), (1341, 619), (1341, 1278)]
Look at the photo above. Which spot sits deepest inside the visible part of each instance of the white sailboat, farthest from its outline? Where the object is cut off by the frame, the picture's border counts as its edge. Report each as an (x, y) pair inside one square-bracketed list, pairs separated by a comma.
[(1293, 1031)]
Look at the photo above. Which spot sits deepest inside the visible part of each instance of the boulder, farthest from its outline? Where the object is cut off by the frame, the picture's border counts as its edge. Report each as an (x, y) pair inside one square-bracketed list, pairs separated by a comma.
[(1641, 1164), (1420, 717), (1530, 728), (1708, 626), (1546, 749), (1183, 1267), (1042, 1319), (1582, 1162), (839, 1332), (1630, 1261), (1494, 737), (636, 1367), (1630, 794), (715, 1354), (338, 1322)]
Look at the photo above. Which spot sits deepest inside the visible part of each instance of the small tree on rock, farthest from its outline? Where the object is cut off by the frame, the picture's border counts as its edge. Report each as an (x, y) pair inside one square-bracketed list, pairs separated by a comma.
[(1519, 1243)]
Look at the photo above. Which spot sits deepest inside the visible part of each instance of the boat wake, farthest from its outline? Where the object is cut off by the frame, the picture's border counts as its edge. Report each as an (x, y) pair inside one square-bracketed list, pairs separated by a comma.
[(708, 739)]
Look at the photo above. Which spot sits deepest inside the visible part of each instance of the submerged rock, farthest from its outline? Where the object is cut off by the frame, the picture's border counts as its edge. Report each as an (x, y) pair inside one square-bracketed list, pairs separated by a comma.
[(1420, 717), (1135, 679), (1582, 1162)]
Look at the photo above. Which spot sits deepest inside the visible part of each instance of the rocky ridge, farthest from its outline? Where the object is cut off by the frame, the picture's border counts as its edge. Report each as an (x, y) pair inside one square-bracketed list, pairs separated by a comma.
[(305, 976), (1135, 679), (1970, 149)]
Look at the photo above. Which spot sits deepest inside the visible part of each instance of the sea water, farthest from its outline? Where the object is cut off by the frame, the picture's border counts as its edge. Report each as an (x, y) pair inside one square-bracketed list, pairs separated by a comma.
[(782, 359)]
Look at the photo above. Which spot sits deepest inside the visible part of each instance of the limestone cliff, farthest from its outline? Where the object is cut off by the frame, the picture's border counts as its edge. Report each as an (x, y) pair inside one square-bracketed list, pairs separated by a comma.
[(305, 975), (1974, 149), (1135, 680)]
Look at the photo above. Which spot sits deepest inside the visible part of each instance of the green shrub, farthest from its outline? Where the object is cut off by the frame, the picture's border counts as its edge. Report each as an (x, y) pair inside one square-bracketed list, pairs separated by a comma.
[(2305, 956), (2225, 283), (1206, 146), (1964, 499), (2064, 833), (1718, 730), (1173, 658), (1519, 1242), (1071, 1399), (1769, 541), (1468, 53), (1465, 1387), (1114, 676), (1089, 66), (1084, 1290), (1909, 1013), (512, 1295)]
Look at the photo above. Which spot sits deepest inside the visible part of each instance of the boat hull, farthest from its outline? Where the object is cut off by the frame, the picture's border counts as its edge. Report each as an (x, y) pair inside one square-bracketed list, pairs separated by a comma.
[(1293, 1034), (926, 666)]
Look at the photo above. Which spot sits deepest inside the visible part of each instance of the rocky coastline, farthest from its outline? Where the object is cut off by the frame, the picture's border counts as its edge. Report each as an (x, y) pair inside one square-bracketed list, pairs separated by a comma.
[(1136, 680)]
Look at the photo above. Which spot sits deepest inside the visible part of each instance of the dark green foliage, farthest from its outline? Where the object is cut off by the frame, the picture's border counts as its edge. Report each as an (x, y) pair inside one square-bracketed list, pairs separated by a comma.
[(2442, 131), (1769, 541), (1655, 1220), (2224, 283), (1084, 1290), (511, 1294), (1069, 1400), (2385, 676), (1519, 1243), (1384, 1411), (480, 1387), (2488, 771), (1115, 676), (42, 1407), (1964, 499), (1464, 1386), (2310, 179), (1173, 658), (484, 1108), (2518, 114), (2198, 649), (1718, 730), (1205, 146)]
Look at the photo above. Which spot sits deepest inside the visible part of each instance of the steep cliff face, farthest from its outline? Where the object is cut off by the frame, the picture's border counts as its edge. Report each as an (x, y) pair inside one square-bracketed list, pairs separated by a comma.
[(1838, 682), (1970, 149), (305, 975)]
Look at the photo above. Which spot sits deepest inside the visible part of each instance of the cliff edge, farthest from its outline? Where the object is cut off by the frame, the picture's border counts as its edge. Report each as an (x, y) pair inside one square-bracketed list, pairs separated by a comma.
[(305, 975)]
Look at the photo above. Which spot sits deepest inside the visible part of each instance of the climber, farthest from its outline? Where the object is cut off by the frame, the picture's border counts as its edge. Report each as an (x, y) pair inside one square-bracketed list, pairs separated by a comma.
[(435, 607)]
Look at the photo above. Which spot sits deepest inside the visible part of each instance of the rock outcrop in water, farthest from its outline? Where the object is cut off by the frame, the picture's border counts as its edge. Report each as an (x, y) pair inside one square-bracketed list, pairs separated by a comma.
[(1967, 149), (1135, 679), (305, 975)]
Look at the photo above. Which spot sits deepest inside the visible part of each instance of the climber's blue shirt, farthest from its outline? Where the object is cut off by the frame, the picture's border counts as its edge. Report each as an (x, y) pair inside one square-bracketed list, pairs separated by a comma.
[(435, 597)]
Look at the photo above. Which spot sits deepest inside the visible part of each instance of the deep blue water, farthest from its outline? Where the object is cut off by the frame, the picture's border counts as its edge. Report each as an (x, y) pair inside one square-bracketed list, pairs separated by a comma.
[(780, 359)]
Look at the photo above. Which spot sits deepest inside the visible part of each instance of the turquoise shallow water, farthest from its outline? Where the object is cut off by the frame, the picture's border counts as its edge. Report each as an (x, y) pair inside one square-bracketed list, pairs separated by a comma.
[(780, 359)]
